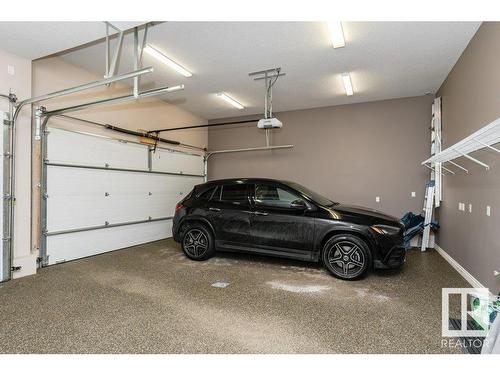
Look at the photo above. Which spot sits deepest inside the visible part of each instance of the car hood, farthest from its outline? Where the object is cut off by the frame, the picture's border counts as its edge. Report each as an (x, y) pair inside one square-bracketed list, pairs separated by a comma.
[(366, 215)]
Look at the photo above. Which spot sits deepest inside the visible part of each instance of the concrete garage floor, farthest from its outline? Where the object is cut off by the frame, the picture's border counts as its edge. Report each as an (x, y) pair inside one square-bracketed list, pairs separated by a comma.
[(151, 299)]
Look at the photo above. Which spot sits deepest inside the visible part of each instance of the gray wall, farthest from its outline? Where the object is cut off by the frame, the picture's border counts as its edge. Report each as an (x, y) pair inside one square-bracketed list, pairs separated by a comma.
[(470, 97), (350, 153)]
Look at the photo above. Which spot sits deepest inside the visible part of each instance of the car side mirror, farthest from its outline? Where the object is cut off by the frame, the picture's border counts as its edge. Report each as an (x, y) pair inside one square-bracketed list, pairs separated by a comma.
[(298, 204)]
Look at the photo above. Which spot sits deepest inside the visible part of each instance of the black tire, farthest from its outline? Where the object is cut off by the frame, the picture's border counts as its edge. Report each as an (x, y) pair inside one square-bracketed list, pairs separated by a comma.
[(198, 242), (347, 257)]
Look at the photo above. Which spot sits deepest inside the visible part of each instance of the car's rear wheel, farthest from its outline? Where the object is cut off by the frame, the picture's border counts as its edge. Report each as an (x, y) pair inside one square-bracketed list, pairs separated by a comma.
[(198, 242), (346, 256)]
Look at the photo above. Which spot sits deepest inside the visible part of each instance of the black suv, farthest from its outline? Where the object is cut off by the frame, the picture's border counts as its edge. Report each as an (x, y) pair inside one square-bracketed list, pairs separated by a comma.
[(287, 220)]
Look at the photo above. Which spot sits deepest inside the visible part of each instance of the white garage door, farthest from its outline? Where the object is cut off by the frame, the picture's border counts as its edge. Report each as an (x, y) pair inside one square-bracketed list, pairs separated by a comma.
[(103, 194)]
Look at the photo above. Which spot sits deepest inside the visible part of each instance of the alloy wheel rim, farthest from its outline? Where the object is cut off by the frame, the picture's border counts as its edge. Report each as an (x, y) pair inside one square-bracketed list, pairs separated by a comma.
[(346, 259), (195, 242)]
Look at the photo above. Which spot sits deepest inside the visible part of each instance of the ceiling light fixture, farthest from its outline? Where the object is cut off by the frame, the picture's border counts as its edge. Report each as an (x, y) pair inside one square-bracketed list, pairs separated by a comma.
[(175, 88), (164, 59), (230, 100), (336, 34), (346, 79)]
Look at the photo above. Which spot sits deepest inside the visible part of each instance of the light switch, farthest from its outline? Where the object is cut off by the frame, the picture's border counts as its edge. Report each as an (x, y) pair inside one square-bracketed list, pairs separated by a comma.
[(11, 70), (488, 211), (377, 199), (470, 207), (413, 194)]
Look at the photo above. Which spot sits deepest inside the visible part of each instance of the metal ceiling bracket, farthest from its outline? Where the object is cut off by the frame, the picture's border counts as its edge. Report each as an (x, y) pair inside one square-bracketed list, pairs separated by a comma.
[(268, 75), (136, 61), (110, 69), (138, 52)]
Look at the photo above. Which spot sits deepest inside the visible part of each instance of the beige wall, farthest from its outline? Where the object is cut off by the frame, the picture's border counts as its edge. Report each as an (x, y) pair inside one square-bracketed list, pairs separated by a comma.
[(20, 85), (52, 74), (470, 97), (351, 153)]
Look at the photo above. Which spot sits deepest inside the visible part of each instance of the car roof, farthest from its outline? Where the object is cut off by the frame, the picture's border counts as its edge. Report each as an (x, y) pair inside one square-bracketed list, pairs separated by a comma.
[(244, 180)]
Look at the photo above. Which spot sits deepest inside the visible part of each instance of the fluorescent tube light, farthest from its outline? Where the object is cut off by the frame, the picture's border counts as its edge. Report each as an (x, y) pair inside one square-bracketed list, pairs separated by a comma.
[(175, 88), (230, 100), (165, 60), (336, 34), (346, 79)]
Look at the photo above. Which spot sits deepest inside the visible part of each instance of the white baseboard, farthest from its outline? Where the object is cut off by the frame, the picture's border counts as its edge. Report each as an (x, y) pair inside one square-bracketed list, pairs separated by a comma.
[(462, 271)]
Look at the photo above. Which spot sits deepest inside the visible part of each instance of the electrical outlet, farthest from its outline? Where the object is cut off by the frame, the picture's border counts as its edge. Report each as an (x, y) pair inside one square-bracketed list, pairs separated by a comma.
[(461, 206), (488, 211), (470, 207), (413, 194), (377, 199)]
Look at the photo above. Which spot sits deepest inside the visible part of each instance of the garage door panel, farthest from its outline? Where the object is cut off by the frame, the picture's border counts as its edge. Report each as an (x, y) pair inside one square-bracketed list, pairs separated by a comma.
[(68, 147), (75, 198), (167, 191), (81, 194), (80, 198), (64, 247), (176, 162)]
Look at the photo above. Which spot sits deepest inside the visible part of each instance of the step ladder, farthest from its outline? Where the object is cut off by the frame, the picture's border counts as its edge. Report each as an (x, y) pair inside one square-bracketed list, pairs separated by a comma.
[(428, 208)]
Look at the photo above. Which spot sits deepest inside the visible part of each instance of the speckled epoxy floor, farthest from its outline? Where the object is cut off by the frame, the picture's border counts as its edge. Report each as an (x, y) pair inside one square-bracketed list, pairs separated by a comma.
[(151, 299)]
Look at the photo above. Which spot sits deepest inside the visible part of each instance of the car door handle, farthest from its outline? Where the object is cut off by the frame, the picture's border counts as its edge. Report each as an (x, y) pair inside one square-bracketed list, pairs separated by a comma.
[(260, 213), (214, 209)]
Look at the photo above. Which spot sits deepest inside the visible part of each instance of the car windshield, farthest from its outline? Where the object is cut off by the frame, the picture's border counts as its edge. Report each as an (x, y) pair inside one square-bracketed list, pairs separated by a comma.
[(318, 198)]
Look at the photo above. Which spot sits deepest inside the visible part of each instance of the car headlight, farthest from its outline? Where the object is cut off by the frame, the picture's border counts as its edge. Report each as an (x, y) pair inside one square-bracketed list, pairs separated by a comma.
[(385, 229)]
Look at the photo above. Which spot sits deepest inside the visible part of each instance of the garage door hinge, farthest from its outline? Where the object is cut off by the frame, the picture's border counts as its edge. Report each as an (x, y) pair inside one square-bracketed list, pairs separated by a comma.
[(16, 268), (7, 155), (7, 122), (42, 260)]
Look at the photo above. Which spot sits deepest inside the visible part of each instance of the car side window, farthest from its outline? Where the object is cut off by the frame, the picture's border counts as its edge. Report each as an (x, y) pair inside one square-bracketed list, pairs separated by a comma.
[(234, 193), (206, 194), (274, 196)]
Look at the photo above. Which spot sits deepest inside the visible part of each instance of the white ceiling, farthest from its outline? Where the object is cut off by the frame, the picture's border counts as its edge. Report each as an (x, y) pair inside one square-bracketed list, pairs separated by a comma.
[(385, 59), (33, 40)]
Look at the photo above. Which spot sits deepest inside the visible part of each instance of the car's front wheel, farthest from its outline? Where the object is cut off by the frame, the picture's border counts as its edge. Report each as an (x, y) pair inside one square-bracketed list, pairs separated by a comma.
[(197, 242), (346, 256)]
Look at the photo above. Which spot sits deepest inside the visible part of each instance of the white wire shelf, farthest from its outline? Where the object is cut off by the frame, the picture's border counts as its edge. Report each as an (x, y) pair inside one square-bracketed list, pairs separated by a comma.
[(485, 137)]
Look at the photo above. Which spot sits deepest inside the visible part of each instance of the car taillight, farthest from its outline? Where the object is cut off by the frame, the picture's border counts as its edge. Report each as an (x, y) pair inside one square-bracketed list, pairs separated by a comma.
[(178, 206)]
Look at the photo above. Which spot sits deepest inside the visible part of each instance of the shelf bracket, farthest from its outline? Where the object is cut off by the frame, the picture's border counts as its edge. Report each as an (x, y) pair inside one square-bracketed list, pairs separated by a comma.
[(472, 159), (432, 169), (446, 169), (487, 145), (458, 166)]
